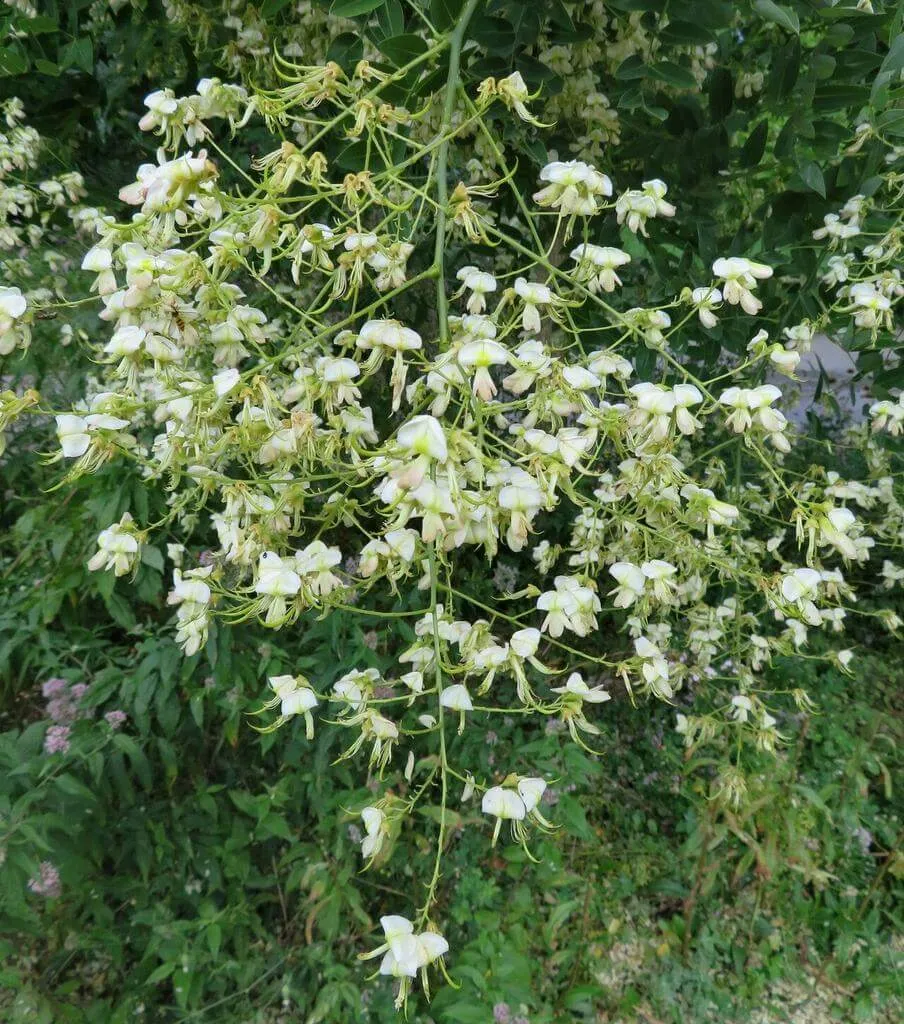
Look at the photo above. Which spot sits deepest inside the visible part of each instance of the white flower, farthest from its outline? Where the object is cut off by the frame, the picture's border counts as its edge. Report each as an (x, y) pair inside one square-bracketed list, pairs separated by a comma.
[(12, 333), (225, 381), (574, 187), (706, 300), (389, 334), (740, 276), (655, 668), (314, 563), (522, 499), (534, 295), (525, 642), (597, 265), (405, 952), (531, 792), (750, 403), (480, 284), (294, 696), (275, 578), (12, 303), (75, 432), (635, 207), (660, 574), (580, 378), (571, 605), (424, 436), (685, 396), (456, 698), (481, 355), (653, 415), (374, 821), (126, 341), (631, 583), (741, 707), (192, 595), (414, 681), (117, 550), (871, 307), (189, 589), (784, 360), (576, 687), (514, 93), (504, 804), (801, 587), (72, 432)]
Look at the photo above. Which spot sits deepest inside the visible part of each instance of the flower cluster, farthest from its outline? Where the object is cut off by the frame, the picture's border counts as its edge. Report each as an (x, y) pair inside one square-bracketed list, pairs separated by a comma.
[(357, 410)]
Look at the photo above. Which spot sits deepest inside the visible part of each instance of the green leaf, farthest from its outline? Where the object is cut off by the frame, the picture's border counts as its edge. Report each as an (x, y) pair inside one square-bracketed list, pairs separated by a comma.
[(527, 24), (79, 53), (391, 18), (214, 935), (41, 24), (785, 70), (13, 60), (495, 35), (890, 67), (673, 74), (782, 16), (352, 8), (721, 94), (346, 49), (153, 557), (136, 756), (813, 178), (352, 156), (630, 68), (162, 972), (753, 149), (72, 787), (571, 814), (559, 15), (271, 7), (840, 97), (120, 610), (892, 121), (403, 49), (823, 65), (275, 825), (444, 13), (682, 32)]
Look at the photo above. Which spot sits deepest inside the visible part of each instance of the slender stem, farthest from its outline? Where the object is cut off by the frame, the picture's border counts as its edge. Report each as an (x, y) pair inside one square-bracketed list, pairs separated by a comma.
[(442, 309), (442, 185)]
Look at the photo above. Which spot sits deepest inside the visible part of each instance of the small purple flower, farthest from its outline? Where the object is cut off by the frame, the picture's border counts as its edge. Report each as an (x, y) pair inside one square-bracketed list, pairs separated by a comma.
[(115, 719), (62, 710), (502, 1014), (78, 691), (53, 687), (47, 882), (56, 739)]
